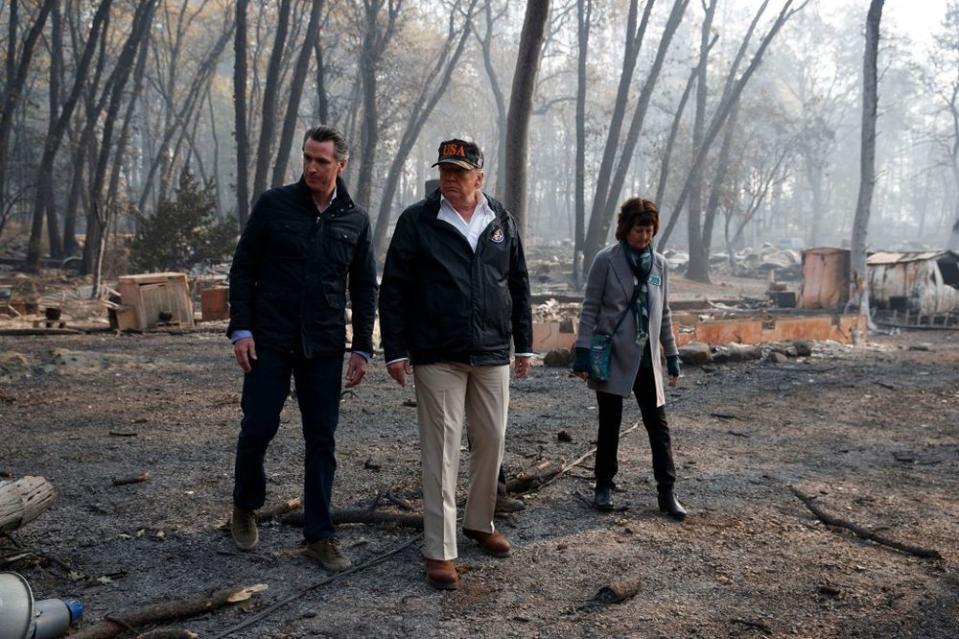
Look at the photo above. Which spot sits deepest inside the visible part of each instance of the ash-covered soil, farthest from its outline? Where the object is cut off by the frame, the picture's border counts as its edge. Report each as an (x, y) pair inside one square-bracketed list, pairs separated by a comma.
[(872, 432)]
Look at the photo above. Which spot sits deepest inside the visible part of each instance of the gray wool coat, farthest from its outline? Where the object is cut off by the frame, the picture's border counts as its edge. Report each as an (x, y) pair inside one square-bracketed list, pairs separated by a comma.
[(609, 288)]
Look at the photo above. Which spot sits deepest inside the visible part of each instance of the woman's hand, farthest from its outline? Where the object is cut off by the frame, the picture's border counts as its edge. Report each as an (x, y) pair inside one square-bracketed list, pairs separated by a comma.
[(583, 375)]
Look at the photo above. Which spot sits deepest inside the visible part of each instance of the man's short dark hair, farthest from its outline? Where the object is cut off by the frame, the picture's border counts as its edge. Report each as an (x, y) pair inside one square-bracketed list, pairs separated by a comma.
[(341, 150), (636, 211)]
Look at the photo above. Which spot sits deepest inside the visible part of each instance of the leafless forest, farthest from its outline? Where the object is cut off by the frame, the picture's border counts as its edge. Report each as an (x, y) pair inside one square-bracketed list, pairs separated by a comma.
[(742, 119), (136, 134)]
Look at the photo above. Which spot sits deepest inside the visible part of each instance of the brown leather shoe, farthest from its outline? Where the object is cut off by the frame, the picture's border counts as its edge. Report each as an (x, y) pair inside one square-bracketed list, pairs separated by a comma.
[(441, 573), (493, 543)]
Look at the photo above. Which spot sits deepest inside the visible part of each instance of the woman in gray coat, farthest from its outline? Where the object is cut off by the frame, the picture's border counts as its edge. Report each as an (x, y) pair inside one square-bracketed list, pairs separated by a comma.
[(627, 287)]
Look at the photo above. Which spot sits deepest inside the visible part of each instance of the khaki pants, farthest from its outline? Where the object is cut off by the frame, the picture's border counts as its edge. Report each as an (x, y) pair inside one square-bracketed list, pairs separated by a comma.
[(445, 393)]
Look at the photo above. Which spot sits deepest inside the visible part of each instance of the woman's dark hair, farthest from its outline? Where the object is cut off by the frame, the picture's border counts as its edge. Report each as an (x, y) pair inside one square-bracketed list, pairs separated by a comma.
[(636, 211)]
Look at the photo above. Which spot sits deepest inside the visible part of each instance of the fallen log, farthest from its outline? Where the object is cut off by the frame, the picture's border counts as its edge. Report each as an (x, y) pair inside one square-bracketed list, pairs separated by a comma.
[(546, 472), (361, 516), (865, 533), (168, 633), (23, 500), (113, 625), (278, 510), (132, 479), (532, 478)]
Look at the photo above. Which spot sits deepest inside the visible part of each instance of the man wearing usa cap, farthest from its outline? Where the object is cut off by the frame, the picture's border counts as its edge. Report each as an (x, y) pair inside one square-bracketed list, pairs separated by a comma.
[(454, 294)]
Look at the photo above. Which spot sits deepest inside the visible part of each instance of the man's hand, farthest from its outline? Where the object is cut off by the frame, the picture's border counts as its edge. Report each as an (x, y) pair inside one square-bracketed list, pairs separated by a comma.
[(399, 370), (245, 352), (583, 375), (355, 370), (521, 366)]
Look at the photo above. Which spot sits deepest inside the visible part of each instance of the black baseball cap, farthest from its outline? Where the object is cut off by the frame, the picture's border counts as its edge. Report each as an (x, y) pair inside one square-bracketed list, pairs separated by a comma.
[(461, 153)]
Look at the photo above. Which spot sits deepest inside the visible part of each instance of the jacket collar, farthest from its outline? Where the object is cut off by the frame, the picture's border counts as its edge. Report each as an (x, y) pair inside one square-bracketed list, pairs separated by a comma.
[(621, 268), (343, 201), (432, 206)]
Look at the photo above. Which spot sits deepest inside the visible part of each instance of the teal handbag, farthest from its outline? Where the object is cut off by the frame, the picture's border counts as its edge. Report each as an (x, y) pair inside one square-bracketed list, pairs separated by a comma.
[(601, 345)]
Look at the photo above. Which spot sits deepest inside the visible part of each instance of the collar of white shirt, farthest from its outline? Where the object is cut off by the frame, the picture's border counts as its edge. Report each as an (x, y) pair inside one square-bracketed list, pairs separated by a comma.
[(482, 216)]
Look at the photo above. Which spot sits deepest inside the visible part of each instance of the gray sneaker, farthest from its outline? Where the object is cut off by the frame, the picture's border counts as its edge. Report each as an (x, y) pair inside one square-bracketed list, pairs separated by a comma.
[(327, 552), (243, 527)]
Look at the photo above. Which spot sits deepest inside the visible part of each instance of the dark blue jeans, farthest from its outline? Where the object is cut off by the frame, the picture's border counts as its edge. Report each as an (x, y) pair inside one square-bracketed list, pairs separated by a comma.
[(265, 390)]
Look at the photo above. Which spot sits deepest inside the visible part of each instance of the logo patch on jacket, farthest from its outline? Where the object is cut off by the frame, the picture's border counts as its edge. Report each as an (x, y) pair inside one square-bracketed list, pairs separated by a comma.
[(497, 236), (655, 280)]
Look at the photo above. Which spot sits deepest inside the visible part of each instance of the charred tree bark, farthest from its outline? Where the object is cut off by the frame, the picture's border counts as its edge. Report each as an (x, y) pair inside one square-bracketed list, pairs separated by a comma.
[(241, 131), (98, 219), (54, 239), (437, 80), (44, 179), (639, 115), (520, 108), (584, 11), (867, 162), (322, 101), (595, 238), (296, 94), (264, 148), (376, 39), (486, 46), (18, 68), (697, 268)]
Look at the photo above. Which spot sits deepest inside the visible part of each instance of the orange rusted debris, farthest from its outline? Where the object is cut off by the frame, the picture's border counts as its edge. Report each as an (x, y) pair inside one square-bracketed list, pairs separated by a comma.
[(753, 330), (551, 336)]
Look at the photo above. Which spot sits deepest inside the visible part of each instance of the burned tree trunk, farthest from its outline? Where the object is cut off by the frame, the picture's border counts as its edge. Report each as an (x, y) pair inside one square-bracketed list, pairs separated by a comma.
[(584, 10), (264, 149), (432, 90), (486, 46), (867, 162), (376, 38), (17, 72), (98, 222), (520, 108), (296, 93), (239, 106), (44, 175), (697, 268)]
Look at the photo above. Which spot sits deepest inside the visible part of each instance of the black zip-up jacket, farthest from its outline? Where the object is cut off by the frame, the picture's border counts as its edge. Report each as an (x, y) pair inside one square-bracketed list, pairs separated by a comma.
[(441, 302), (289, 275)]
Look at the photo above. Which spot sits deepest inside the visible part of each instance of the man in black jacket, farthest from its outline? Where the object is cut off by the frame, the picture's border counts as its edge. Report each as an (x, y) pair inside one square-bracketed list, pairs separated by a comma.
[(455, 292), (303, 243)]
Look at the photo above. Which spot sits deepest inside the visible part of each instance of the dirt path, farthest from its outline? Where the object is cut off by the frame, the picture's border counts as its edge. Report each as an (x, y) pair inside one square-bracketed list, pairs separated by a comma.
[(874, 434)]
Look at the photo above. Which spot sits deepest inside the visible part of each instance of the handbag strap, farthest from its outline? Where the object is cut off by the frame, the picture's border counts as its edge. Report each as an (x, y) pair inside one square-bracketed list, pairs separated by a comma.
[(632, 303)]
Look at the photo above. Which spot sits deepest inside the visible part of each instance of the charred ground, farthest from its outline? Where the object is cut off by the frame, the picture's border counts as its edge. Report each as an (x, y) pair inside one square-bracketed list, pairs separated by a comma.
[(872, 432)]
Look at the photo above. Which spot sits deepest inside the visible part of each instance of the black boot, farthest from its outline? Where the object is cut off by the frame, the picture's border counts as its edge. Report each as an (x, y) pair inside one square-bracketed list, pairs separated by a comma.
[(670, 505), (603, 498)]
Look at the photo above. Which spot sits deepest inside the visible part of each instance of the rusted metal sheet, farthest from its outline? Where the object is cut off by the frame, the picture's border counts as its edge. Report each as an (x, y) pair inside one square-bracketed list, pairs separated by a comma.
[(551, 336), (925, 282), (752, 330), (825, 278)]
